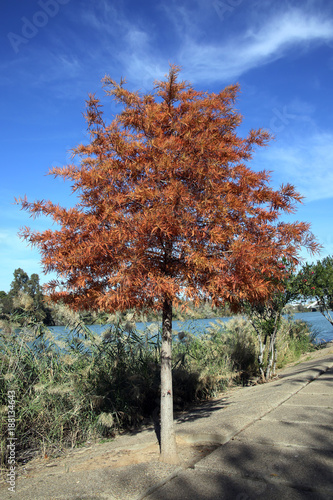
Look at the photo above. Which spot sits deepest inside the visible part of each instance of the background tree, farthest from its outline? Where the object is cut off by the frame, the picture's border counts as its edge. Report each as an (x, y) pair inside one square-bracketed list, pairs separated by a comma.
[(316, 282), (26, 290), (19, 283), (167, 209), (5, 304)]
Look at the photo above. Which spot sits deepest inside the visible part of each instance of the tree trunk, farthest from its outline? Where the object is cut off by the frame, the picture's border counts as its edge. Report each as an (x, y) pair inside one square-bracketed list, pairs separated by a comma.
[(270, 358), (325, 312), (272, 354), (274, 364), (261, 357), (168, 439), (262, 347)]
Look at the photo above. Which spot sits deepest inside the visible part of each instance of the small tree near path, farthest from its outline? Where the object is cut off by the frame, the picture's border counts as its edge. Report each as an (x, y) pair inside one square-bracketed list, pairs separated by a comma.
[(265, 317), (167, 210)]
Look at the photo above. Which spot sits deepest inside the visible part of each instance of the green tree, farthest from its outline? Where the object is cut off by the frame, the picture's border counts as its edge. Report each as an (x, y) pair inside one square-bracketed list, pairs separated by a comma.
[(26, 290), (19, 283), (265, 317), (315, 282), (5, 303)]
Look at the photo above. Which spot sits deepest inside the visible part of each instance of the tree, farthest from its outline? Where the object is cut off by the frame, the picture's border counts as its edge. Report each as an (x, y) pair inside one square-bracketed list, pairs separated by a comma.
[(265, 317), (167, 209), (316, 282), (5, 304), (19, 283), (23, 286)]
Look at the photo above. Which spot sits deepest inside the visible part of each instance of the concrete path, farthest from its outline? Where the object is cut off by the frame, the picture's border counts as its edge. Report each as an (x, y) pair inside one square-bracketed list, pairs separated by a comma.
[(273, 441)]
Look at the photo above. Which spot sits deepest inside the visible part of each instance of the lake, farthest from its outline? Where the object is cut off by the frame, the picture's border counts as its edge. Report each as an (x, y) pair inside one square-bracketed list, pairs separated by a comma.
[(316, 321)]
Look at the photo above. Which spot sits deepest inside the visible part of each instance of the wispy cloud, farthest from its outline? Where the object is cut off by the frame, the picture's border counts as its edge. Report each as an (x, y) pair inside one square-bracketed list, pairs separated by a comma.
[(205, 57), (307, 163), (128, 47), (121, 47), (258, 45)]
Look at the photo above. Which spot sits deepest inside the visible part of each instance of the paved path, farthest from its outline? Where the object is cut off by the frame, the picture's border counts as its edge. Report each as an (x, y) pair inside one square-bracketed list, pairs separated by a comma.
[(274, 442)]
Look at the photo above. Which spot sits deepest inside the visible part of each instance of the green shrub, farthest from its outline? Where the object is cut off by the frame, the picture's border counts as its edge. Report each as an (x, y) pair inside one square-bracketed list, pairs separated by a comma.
[(295, 338)]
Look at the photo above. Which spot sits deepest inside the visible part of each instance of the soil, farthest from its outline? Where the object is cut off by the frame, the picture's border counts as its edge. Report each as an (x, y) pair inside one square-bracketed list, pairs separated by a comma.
[(100, 456)]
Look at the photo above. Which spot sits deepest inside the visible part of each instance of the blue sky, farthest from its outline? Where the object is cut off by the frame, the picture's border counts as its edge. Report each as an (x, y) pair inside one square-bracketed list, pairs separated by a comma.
[(54, 52)]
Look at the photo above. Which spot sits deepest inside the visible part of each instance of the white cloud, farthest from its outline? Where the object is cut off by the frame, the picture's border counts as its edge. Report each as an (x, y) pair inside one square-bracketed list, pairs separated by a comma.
[(307, 163), (98, 15), (125, 48), (257, 46), (137, 51), (204, 57), (290, 28)]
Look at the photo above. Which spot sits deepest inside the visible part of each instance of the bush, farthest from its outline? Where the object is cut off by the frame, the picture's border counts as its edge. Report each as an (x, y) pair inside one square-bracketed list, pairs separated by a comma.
[(295, 338), (241, 343)]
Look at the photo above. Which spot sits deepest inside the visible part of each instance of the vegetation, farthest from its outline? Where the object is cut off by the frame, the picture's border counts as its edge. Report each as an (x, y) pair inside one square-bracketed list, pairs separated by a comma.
[(85, 387), (266, 316), (27, 290), (315, 281), (167, 210)]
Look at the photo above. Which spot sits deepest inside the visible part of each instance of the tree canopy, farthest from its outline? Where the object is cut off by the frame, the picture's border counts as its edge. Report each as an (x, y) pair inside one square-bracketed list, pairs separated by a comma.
[(167, 205)]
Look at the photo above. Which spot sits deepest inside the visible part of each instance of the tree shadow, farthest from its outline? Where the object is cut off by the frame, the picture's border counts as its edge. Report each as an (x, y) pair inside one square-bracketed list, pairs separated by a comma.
[(252, 471), (287, 457), (201, 410)]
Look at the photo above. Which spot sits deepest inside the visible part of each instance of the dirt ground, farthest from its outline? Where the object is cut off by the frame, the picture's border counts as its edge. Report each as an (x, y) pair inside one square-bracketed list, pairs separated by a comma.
[(100, 456)]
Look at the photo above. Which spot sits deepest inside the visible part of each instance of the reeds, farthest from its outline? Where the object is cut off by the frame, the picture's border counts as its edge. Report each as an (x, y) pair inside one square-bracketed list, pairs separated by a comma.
[(86, 386)]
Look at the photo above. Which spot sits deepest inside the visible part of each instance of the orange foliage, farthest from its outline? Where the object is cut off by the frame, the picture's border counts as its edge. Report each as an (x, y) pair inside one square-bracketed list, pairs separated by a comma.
[(168, 207)]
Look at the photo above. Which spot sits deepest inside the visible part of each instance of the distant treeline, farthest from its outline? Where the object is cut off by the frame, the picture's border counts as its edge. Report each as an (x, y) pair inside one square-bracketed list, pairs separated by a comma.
[(26, 296)]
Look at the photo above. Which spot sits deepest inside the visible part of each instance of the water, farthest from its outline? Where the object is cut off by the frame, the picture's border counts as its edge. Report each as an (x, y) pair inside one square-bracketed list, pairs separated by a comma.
[(318, 324), (316, 321)]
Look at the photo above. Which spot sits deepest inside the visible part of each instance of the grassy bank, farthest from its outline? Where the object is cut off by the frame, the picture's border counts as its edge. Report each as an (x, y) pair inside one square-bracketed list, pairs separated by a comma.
[(86, 387)]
